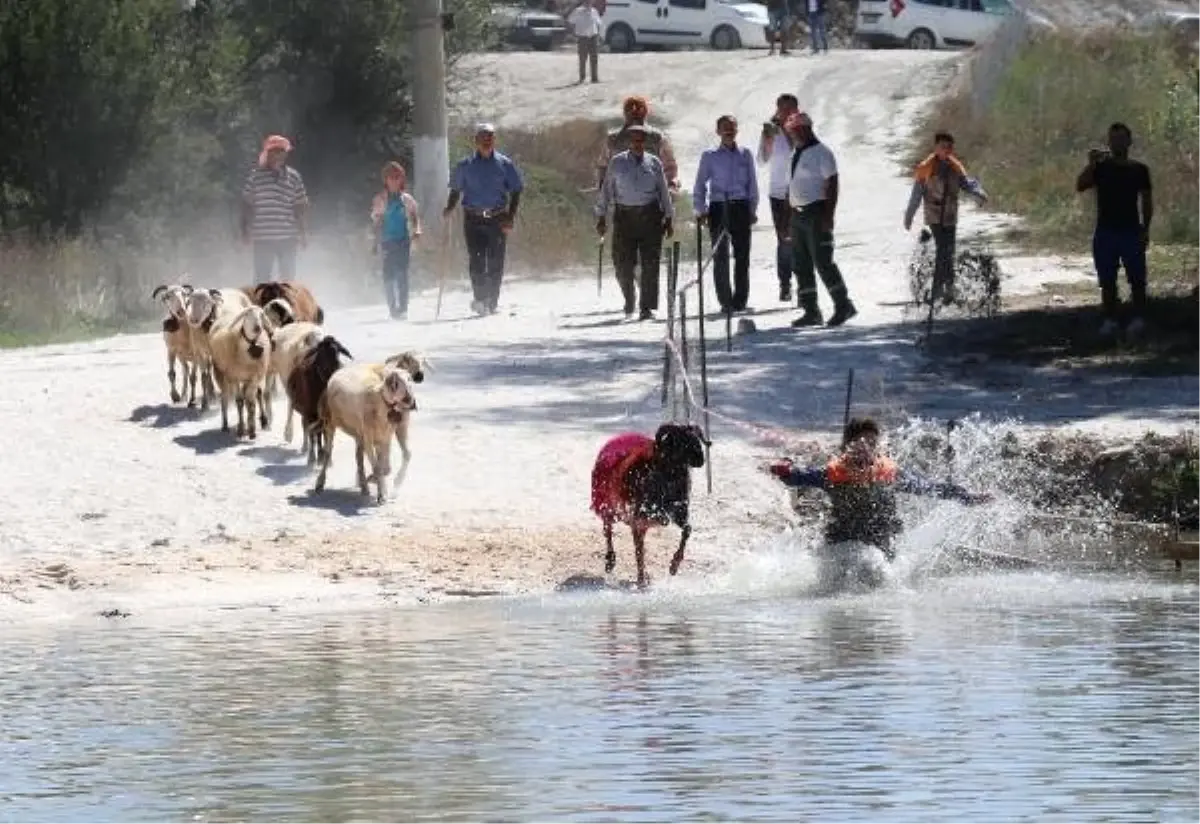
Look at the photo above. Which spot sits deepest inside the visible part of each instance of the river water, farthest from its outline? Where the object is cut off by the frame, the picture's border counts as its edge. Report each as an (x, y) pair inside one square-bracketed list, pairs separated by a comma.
[(1024, 697)]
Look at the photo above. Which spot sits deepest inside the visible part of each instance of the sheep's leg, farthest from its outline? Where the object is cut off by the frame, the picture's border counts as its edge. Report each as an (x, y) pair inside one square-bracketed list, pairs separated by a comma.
[(240, 400), (359, 452), (639, 555), (610, 554), (207, 384), (264, 409), (175, 396), (313, 434), (405, 453), (253, 395), (225, 405), (327, 433), (288, 429), (677, 558), (192, 371), (382, 466)]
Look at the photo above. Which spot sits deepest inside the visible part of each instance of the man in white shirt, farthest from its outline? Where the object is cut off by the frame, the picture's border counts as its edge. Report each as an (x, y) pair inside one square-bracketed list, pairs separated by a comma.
[(775, 149), (812, 197), (586, 24)]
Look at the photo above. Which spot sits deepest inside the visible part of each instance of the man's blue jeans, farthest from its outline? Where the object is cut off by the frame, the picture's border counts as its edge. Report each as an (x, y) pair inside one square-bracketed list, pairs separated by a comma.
[(1112, 249)]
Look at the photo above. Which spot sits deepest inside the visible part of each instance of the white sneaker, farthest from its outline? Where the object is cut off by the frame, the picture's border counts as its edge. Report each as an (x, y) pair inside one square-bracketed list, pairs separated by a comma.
[(1109, 328), (1135, 328)]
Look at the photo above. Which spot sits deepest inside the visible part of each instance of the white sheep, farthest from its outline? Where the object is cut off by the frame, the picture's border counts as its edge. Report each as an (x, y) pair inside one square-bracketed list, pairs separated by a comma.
[(241, 355), (181, 347), (369, 407), (290, 344)]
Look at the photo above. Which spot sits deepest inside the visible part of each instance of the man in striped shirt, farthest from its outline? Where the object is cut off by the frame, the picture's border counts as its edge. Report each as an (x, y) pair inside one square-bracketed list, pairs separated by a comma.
[(274, 211)]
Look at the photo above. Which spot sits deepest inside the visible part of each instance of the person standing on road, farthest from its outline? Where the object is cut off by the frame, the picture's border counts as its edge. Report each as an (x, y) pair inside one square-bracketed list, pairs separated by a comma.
[(635, 186), (937, 181), (725, 197), (397, 224), (775, 149), (585, 22), (813, 196), (274, 211), (490, 187), (816, 26), (779, 13), (1122, 234), (636, 110)]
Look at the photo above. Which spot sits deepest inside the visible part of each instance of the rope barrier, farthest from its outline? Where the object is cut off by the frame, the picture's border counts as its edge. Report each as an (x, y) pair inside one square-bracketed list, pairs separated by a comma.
[(771, 435)]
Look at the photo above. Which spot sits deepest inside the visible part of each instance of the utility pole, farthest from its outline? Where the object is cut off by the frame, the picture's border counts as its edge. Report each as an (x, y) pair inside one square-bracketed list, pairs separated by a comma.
[(431, 151)]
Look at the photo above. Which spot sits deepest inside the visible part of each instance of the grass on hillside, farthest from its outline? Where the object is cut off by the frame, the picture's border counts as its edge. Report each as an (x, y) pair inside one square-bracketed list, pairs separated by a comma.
[(81, 288), (1054, 102)]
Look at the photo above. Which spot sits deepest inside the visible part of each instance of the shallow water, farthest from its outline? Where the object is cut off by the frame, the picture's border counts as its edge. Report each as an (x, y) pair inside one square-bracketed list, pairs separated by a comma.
[(1020, 698)]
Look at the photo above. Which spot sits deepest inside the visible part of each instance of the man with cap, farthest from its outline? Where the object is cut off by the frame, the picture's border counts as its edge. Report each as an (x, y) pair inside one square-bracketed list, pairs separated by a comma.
[(274, 211), (489, 185), (636, 189), (813, 197), (636, 110)]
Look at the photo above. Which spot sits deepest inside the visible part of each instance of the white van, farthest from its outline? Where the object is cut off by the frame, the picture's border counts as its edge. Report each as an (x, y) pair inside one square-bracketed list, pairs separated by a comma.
[(929, 24), (722, 24)]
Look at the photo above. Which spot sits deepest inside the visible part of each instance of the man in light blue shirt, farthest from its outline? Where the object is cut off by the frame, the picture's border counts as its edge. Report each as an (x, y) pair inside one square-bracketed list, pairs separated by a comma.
[(725, 197), (490, 186)]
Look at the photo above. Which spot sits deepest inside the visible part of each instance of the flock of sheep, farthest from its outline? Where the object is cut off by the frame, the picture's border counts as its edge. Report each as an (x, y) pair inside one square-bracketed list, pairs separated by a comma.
[(244, 342)]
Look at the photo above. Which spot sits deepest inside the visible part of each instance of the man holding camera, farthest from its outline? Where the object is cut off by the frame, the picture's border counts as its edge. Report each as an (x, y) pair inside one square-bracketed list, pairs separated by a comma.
[(775, 149), (1121, 233)]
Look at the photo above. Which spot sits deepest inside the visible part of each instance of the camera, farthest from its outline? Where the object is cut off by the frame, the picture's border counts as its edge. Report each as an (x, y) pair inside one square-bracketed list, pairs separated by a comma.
[(771, 127)]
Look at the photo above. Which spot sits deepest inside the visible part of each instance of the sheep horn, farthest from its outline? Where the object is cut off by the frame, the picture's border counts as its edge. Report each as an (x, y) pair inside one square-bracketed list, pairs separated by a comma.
[(157, 291), (338, 344), (216, 295)]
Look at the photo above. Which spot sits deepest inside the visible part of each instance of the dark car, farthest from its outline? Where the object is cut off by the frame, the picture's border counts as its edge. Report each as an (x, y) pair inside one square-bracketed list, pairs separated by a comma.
[(533, 24)]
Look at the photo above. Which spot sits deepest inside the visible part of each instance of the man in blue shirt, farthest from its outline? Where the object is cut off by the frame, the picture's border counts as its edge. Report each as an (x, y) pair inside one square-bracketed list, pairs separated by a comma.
[(489, 186), (726, 197)]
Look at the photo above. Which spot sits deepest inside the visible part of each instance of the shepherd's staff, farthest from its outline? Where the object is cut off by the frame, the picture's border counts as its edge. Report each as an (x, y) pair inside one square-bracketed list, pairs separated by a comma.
[(444, 263), (599, 265)]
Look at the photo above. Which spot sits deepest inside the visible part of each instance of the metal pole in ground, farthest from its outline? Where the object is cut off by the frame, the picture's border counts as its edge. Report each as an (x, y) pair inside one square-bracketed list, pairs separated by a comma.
[(599, 266), (683, 347), (846, 411), (704, 383), (668, 376)]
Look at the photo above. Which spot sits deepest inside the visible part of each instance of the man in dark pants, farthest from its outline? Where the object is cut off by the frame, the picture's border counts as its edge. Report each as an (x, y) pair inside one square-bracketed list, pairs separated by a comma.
[(1121, 234), (725, 196), (775, 149), (490, 187), (937, 182), (635, 186), (813, 196)]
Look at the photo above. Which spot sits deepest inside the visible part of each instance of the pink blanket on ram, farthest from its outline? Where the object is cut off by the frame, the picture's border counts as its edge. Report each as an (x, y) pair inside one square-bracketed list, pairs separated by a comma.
[(608, 475)]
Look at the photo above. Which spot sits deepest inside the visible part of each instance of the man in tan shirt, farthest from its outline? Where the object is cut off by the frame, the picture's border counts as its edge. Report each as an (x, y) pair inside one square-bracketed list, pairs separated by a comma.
[(636, 110)]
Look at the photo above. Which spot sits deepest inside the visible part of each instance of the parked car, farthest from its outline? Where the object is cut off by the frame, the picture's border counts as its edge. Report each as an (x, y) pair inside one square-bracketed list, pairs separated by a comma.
[(721, 24), (531, 25), (929, 24), (1184, 26)]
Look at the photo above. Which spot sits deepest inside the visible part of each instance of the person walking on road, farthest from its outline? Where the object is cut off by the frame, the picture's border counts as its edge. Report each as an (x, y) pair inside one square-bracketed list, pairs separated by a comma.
[(725, 197), (813, 196), (274, 211), (636, 189), (775, 149), (779, 14), (816, 26), (636, 110), (490, 187), (397, 224), (1122, 234), (585, 22)]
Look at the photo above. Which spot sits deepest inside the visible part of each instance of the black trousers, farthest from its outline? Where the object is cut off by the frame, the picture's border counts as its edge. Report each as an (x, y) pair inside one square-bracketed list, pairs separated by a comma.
[(734, 217), (486, 244), (944, 238), (638, 238), (781, 216)]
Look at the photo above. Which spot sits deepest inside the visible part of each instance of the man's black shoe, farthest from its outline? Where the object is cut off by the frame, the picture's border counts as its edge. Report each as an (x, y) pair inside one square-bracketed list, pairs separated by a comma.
[(810, 318), (842, 314)]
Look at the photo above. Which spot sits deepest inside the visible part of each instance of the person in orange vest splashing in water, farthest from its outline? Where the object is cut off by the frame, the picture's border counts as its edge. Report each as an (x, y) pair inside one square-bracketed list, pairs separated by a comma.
[(862, 484)]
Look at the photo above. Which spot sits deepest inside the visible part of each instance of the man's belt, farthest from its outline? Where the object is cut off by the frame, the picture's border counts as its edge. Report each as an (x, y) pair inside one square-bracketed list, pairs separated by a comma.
[(486, 214), (816, 205), (641, 207)]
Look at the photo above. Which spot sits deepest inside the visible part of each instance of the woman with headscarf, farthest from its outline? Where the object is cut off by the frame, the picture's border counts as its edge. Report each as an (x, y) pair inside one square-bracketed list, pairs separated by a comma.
[(274, 211)]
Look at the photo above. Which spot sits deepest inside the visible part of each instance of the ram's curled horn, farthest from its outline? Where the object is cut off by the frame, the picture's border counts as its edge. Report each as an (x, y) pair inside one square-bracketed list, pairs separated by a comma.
[(158, 290)]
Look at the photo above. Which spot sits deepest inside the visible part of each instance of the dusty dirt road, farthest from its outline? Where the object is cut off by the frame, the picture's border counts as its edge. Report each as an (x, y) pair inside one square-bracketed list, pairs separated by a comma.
[(112, 498)]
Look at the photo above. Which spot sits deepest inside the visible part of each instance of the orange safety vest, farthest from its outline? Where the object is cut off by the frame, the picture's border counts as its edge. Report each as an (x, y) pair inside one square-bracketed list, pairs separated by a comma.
[(839, 472)]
